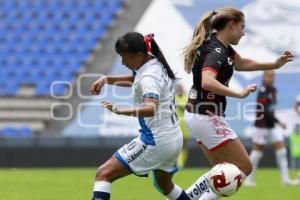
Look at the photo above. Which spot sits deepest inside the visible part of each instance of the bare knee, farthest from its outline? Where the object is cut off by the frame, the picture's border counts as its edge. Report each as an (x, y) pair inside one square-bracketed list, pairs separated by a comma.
[(104, 173)]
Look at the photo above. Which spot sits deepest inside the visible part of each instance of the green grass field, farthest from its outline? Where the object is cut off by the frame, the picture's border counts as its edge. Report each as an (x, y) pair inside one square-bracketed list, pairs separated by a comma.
[(76, 184)]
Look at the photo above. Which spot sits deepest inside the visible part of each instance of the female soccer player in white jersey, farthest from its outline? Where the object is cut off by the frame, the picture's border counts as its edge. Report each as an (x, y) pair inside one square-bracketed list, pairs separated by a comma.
[(160, 141), (212, 60)]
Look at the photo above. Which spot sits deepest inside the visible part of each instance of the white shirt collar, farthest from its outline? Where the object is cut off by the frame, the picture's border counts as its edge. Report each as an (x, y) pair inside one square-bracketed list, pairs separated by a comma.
[(145, 65)]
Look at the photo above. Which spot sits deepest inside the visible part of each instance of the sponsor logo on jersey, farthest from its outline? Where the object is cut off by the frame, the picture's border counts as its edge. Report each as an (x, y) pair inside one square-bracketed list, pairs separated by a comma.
[(218, 49), (137, 154), (230, 62)]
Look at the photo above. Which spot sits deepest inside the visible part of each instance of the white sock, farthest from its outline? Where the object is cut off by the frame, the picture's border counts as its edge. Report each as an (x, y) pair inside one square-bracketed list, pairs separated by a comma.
[(281, 158), (210, 195), (102, 186), (197, 189), (255, 157), (175, 193), (244, 176)]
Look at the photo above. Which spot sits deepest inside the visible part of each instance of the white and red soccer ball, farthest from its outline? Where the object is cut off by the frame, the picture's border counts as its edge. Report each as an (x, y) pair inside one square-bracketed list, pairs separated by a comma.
[(225, 179)]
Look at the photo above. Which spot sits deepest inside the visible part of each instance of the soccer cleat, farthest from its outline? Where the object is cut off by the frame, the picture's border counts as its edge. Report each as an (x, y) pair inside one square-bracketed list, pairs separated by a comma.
[(290, 182), (249, 183)]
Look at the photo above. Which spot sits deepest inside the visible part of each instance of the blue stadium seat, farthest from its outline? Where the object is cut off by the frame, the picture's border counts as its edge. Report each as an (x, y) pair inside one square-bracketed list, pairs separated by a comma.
[(13, 132), (55, 50), (24, 132), (8, 88), (59, 89), (43, 88), (8, 132)]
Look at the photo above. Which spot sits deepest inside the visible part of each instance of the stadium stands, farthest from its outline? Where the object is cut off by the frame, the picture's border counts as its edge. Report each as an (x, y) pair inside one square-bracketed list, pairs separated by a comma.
[(42, 41)]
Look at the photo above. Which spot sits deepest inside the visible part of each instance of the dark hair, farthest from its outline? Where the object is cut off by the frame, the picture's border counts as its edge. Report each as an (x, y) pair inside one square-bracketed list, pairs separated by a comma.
[(134, 42)]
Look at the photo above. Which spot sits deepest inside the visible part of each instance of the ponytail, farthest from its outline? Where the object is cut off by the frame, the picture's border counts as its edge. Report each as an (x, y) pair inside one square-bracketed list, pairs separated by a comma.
[(159, 55), (201, 32)]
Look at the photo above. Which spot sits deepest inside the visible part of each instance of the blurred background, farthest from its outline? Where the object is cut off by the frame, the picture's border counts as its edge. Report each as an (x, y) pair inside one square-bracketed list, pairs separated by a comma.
[(51, 51)]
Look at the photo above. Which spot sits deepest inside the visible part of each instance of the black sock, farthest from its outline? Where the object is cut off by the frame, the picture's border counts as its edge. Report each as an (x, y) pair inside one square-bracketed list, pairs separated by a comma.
[(100, 195), (183, 196)]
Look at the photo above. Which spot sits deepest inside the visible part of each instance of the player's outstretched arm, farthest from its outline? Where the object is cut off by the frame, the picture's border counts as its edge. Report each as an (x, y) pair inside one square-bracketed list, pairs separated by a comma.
[(122, 80), (245, 64), (147, 109), (210, 83)]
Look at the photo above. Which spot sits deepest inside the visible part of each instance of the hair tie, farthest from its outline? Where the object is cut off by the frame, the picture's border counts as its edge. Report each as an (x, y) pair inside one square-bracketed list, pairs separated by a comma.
[(148, 38), (214, 12)]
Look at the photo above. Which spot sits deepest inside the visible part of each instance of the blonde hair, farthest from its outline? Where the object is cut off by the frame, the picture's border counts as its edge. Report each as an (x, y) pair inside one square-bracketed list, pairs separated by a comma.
[(210, 22)]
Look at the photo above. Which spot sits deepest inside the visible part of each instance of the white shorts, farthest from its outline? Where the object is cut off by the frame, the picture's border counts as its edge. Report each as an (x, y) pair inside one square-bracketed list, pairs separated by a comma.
[(211, 131), (140, 158), (263, 136)]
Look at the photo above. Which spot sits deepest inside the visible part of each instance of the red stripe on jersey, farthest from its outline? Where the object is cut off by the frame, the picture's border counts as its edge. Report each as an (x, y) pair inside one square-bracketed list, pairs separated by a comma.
[(222, 144), (263, 100), (210, 69)]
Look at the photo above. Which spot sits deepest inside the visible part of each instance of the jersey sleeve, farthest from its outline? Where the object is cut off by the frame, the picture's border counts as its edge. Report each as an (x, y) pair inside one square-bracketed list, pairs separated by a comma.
[(213, 61), (151, 87)]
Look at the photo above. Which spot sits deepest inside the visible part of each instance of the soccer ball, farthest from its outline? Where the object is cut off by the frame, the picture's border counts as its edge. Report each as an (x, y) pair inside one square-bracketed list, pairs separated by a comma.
[(225, 179)]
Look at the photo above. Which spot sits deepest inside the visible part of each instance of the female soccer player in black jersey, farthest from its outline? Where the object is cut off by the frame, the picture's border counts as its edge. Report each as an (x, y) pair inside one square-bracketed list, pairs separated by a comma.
[(266, 132), (212, 61)]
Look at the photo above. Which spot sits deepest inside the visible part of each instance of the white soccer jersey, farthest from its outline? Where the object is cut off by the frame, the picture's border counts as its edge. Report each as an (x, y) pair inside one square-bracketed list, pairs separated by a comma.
[(152, 80)]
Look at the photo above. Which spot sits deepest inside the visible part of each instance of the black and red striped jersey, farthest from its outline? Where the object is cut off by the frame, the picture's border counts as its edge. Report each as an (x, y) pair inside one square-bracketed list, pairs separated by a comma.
[(266, 99), (214, 56)]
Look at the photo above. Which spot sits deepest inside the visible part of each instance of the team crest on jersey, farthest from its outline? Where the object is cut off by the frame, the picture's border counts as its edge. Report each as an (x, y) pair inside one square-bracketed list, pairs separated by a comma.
[(193, 94)]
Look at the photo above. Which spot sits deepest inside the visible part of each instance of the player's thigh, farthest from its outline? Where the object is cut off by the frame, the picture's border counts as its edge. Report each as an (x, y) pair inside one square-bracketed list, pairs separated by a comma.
[(278, 145), (111, 170), (234, 152), (258, 147), (213, 160)]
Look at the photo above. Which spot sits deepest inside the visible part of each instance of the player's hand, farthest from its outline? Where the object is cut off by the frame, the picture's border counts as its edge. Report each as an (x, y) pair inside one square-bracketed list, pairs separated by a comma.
[(249, 89), (284, 58), (109, 106), (282, 125), (97, 85)]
